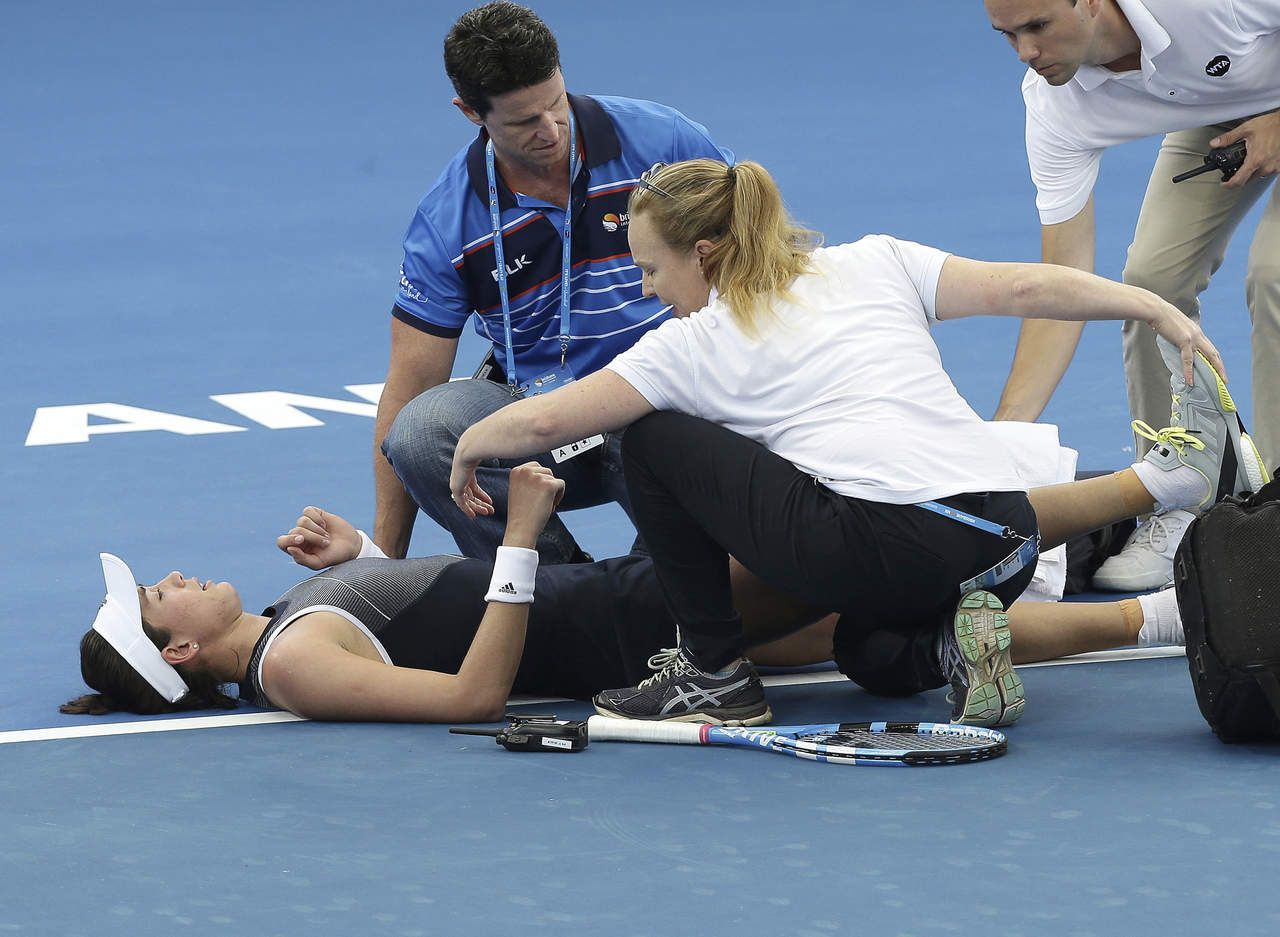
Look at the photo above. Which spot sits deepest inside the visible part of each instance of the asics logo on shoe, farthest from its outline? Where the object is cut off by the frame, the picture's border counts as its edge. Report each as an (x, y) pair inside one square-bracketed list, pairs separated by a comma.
[(692, 696)]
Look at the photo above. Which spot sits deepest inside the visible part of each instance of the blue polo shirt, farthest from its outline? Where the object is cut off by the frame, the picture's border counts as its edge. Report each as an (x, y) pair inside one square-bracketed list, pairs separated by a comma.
[(449, 270)]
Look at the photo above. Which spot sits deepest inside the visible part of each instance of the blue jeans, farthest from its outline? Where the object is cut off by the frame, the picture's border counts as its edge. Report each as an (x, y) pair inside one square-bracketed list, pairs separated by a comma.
[(420, 447)]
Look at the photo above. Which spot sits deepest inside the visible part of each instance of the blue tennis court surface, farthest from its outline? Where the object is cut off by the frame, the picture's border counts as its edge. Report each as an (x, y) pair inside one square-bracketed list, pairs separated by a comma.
[(199, 242), (1115, 811)]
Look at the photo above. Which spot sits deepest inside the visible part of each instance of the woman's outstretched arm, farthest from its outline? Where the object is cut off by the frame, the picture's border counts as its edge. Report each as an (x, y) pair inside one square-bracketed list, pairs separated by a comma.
[(1048, 291), (311, 670)]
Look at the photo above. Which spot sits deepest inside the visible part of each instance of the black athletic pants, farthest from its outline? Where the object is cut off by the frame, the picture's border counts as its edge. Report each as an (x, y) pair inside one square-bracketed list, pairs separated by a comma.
[(701, 493)]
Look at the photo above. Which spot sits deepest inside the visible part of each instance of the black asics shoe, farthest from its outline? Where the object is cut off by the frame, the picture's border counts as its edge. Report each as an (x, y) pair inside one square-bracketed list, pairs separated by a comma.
[(680, 692)]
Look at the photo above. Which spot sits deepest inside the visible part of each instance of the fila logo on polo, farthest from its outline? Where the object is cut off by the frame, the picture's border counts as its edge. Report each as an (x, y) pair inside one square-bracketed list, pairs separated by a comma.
[(613, 222), (1218, 66), (513, 267)]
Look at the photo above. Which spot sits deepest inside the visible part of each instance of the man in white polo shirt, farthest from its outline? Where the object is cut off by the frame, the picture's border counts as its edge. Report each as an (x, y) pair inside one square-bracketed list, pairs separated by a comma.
[(1206, 73)]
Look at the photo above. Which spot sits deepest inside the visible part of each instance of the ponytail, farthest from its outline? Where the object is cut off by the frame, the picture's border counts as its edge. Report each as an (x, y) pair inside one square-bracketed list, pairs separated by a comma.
[(757, 251)]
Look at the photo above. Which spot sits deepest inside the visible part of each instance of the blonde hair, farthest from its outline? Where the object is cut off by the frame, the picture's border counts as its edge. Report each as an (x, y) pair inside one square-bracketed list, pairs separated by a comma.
[(757, 250)]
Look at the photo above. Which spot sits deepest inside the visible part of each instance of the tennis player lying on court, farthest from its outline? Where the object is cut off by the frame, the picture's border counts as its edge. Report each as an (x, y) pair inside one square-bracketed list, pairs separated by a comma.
[(435, 639), (421, 640), (797, 416)]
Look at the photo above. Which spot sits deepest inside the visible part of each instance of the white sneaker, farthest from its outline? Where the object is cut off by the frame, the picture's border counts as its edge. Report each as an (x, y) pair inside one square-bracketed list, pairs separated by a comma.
[(1146, 561)]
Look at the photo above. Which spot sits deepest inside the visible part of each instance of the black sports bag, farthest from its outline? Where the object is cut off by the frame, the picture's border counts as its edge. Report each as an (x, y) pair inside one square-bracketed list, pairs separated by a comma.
[(1227, 578)]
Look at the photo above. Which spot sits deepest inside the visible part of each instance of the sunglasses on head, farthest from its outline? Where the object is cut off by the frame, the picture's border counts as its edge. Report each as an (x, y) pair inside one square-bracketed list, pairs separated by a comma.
[(644, 183)]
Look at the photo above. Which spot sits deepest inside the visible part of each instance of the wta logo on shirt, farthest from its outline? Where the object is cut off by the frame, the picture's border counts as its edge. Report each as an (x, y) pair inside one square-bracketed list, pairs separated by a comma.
[(1218, 66), (613, 222)]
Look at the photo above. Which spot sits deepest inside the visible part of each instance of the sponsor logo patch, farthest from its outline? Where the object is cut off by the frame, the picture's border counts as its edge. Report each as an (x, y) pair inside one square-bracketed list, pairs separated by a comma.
[(513, 267)]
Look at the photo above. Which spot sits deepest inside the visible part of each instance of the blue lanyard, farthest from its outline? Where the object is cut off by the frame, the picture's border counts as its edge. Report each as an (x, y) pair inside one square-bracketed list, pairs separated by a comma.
[(979, 522), (1023, 555), (496, 218)]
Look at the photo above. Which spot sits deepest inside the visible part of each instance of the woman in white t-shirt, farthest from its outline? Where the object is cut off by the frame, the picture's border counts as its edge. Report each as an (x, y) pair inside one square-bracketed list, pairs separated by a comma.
[(795, 414)]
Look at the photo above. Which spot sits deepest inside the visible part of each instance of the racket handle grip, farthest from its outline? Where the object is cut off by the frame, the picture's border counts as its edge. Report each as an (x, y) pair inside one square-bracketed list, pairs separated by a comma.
[(608, 729)]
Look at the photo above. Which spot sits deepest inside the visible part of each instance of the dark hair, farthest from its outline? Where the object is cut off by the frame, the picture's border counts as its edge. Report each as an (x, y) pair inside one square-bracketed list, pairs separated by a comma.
[(120, 687), (497, 48)]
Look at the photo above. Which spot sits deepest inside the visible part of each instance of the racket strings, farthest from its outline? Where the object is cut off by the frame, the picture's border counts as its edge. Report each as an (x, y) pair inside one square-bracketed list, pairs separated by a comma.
[(869, 746), (898, 741)]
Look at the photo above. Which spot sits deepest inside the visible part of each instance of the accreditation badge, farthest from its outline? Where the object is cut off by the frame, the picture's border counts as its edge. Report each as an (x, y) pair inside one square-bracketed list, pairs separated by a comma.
[(574, 449), (559, 377)]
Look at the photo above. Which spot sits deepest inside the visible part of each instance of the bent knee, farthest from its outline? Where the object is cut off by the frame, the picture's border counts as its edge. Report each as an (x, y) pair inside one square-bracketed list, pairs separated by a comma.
[(430, 422), (1176, 275), (1262, 279), (1178, 287)]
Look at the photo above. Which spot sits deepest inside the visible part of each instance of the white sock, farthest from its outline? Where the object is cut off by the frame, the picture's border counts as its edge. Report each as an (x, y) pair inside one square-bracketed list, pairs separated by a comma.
[(1161, 620), (1182, 487)]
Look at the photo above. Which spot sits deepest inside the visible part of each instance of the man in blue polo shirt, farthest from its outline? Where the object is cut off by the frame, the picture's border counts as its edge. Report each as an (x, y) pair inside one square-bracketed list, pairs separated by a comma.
[(556, 293)]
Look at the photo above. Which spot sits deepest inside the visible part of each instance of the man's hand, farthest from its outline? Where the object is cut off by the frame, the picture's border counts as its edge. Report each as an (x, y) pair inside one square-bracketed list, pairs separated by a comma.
[(1262, 148), (535, 492), (320, 540)]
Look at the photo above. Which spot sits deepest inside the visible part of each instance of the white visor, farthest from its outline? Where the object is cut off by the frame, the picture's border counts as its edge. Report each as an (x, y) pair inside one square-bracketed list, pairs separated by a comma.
[(120, 622)]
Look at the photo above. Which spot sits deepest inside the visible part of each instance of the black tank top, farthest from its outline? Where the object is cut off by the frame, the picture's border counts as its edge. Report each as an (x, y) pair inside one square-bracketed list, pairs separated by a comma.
[(592, 625)]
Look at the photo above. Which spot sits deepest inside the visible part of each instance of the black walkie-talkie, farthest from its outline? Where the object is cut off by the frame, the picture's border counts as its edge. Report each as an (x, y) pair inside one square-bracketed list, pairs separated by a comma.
[(534, 734), (1226, 158)]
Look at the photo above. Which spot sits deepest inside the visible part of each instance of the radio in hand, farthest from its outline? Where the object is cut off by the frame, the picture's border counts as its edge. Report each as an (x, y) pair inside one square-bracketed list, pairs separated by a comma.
[(1226, 158)]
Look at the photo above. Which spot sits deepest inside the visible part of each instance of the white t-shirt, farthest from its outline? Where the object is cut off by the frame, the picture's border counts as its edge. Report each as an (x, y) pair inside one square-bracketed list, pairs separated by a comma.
[(847, 384), (1203, 62)]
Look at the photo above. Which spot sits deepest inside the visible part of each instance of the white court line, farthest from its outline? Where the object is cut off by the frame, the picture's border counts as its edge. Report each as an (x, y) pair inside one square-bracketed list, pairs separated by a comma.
[(1124, 653), (258, 719), (1093, 657), (147, 725)]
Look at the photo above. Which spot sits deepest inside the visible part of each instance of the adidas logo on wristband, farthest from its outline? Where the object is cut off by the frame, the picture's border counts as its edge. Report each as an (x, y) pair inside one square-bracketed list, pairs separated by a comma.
[(514, 569)]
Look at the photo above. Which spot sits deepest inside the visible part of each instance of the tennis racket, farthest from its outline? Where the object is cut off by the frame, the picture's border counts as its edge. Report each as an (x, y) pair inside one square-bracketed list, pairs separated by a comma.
[(844, 743)]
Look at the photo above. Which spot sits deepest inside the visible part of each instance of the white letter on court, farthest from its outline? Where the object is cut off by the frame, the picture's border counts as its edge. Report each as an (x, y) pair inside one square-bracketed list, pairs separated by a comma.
[(369, 392), (278, 409), (56, 426)]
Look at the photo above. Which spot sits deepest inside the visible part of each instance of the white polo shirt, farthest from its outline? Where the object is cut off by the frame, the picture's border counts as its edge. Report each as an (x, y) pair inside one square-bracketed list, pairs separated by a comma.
[(1203, 62), (847, 384)]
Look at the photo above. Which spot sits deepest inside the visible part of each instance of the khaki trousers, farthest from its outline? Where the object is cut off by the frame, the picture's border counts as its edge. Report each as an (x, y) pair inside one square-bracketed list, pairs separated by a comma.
[(1180, 242)]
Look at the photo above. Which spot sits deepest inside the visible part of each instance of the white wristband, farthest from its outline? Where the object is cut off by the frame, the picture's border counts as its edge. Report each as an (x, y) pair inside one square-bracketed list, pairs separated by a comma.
[(513, 572), (369, 549)]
